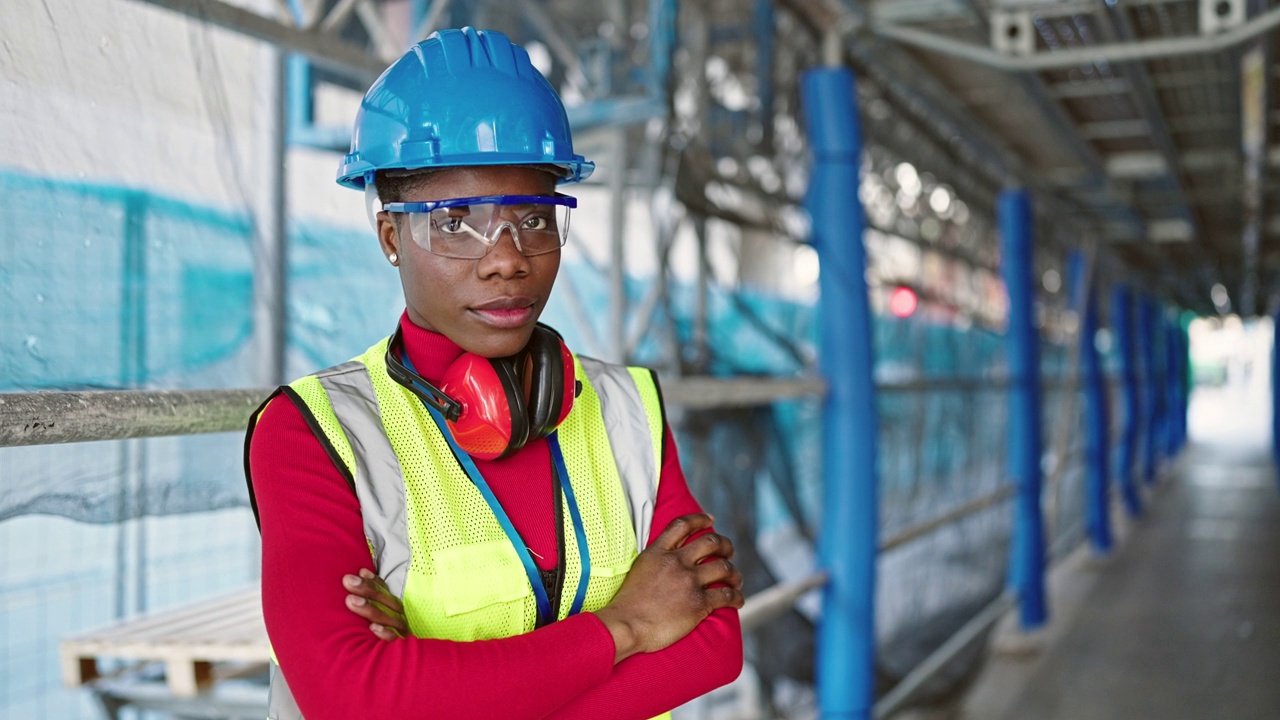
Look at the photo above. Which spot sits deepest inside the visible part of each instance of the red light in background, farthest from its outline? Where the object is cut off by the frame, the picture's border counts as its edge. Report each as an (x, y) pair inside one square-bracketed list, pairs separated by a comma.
[(903, 302)]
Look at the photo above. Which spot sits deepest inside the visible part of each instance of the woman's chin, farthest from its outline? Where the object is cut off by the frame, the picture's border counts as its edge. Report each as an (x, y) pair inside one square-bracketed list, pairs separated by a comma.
[(495, 342)]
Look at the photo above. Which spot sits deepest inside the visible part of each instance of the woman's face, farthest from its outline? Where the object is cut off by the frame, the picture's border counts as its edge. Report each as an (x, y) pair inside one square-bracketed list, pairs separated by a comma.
[(487, 306)]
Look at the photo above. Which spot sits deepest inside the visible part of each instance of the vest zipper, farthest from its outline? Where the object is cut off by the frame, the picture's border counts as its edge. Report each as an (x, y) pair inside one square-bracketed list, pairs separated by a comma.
[(553, 579)]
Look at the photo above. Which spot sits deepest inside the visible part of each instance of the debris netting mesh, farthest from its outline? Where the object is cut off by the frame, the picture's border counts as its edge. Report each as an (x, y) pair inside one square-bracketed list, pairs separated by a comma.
[(152, 292), (940, 448)]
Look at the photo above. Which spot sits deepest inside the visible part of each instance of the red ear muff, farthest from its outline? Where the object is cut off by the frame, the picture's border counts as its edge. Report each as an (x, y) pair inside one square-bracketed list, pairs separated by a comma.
[(493, 422), (507, 402)]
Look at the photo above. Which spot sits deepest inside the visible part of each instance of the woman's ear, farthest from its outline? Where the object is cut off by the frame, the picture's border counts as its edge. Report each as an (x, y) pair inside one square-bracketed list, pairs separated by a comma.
[(388, 236)]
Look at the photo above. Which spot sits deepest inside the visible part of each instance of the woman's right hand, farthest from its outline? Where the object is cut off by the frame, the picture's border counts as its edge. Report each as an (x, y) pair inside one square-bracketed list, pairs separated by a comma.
[(671, 587), (370, 598)]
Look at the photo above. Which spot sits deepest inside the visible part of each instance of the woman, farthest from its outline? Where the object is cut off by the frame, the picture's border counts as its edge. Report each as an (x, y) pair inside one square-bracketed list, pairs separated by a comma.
[(468, 520)]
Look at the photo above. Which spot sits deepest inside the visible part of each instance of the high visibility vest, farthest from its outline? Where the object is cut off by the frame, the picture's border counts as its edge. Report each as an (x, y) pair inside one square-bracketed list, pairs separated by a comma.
[(435, 540)]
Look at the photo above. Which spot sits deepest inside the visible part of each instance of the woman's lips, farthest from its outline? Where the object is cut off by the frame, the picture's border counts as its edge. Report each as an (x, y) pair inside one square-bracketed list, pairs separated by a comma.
[(505, 318)]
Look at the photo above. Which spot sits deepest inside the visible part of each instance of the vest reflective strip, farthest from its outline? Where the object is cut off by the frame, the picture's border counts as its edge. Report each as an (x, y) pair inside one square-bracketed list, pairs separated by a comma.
[(382, 504), (647, 385), (630, 438)]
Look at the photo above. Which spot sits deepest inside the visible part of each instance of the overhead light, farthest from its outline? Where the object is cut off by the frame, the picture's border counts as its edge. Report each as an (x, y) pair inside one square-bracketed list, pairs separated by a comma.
[(1221, 300), (1219, 15), (1012, 33), (1137, 165), (1169, 230), (903, 301)]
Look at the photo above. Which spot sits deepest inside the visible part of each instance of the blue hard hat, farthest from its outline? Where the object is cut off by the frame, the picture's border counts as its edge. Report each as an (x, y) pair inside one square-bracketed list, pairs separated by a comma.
[(461, 97)]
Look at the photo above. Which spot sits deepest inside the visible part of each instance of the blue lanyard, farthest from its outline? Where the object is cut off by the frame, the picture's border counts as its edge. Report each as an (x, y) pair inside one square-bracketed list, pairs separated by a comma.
[(526, 557), (579, 532)]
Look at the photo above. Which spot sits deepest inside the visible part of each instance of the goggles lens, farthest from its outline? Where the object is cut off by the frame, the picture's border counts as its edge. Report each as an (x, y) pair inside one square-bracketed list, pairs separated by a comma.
[(466, 228)]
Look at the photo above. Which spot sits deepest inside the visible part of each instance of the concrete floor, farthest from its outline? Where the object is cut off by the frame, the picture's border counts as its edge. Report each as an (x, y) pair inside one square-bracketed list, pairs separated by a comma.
[(1182, 620)]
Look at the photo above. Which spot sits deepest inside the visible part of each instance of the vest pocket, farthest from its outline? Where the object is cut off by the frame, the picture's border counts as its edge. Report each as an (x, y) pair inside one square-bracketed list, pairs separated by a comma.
[(604, 582), (482, 589)]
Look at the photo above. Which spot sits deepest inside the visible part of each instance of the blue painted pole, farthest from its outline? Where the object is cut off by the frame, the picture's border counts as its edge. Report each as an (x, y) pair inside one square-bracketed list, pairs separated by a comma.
[(1027, 559), (662, 39), (847, 546), (1275, 388), (1173, 381), (1159, 385), (1122, 325), (1184, 379), (1168, 392), (1096, 416), (1146, 353)]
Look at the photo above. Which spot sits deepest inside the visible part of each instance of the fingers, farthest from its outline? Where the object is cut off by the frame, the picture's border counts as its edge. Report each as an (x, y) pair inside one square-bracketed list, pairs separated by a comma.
[(725, 596), (370, 599), (679, 530), (719, 572), (371, 587), (385, 633), (376, 613), (709, 545)]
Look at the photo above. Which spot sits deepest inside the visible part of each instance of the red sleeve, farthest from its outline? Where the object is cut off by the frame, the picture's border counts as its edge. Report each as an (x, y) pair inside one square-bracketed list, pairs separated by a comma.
[(312, 535), (650, 684)]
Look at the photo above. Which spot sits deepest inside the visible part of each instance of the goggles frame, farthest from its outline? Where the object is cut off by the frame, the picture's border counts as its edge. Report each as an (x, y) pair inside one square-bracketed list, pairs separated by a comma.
[(426, 208)]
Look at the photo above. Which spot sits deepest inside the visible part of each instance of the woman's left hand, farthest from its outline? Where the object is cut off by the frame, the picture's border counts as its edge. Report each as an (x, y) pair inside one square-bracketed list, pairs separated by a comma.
[(370, 599)]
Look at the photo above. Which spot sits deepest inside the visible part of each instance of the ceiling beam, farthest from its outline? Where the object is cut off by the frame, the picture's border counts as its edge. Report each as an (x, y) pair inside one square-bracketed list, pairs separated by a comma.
[(1141, 127), (328, 51), (1149, 164), (1084, 56), (1090, 89)]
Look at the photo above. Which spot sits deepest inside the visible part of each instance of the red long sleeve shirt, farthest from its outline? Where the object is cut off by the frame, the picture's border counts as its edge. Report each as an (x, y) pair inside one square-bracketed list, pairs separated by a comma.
[(312, 535)]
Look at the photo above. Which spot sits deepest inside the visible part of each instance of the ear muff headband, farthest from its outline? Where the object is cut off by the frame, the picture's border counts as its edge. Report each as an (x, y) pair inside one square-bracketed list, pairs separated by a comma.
[(510, 377), (548, 382)]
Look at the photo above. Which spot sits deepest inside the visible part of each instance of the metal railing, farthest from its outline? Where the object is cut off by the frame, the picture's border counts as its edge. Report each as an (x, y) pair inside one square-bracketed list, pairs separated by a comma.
[(49, 418), (53, 417)]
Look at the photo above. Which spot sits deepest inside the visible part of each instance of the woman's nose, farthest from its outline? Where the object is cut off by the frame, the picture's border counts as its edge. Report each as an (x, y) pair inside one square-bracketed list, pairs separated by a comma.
[(504, 257)]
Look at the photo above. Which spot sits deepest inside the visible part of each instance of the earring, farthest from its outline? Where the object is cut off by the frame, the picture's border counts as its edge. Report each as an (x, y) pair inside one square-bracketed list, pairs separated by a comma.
[(393, 258)]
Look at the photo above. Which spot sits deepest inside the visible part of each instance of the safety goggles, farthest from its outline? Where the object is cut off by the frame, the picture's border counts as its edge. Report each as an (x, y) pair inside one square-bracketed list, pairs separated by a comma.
[(466, 228)]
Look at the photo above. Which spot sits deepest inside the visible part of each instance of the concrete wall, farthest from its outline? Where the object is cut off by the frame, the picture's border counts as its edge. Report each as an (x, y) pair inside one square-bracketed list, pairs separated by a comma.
[(124, 93)]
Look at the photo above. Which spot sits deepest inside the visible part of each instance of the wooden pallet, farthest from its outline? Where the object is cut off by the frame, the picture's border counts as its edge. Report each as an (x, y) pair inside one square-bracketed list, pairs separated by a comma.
[(188, 640)]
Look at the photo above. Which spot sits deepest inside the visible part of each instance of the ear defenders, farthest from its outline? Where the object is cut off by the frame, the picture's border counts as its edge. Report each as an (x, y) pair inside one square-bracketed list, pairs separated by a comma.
[(495, 406)]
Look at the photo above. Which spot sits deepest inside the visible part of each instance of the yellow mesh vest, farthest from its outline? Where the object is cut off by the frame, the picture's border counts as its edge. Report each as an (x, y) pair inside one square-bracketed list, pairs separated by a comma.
[(465, 581)]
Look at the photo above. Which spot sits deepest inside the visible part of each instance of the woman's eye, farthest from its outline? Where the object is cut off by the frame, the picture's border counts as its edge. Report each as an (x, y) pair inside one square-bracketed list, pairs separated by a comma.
[(451, 225)]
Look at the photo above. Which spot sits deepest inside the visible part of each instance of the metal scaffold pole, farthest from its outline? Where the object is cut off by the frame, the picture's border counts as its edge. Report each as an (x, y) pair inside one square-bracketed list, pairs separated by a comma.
[(270, 252), (847, 547), (618, 302), (1027, 559)]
